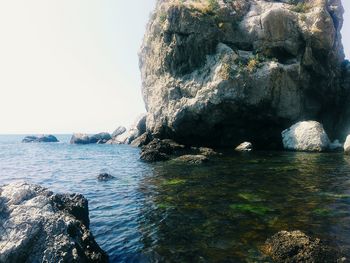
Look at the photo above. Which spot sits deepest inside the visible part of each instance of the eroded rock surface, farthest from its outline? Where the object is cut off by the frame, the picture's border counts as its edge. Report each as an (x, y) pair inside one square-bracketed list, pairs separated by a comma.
[(217, 73), (39, 226)]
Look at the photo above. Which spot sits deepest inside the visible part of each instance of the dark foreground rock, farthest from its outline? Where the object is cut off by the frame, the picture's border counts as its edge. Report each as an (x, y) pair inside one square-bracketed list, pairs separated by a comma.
[(295, 246), (39, 226), (41, 138), (163, 150), (156, 150)]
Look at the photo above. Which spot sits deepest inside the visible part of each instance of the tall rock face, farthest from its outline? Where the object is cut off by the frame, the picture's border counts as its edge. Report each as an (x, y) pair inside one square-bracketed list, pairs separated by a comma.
[(219, 72)]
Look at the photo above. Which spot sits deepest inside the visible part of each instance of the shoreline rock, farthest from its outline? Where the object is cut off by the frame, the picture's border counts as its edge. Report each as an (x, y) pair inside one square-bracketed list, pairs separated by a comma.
[(40, 226)]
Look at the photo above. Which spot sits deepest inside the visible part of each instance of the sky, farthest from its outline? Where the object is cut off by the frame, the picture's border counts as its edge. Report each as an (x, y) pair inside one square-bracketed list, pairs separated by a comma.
[(71, 65)]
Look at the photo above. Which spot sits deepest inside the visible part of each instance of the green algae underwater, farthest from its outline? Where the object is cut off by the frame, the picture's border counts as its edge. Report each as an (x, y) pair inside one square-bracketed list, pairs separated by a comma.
[(223, 211)]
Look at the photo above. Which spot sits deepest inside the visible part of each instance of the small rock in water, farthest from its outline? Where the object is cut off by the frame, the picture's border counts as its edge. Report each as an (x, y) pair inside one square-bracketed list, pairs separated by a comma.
[(41, 138), (244, 147), (105, 177), (295, 246)]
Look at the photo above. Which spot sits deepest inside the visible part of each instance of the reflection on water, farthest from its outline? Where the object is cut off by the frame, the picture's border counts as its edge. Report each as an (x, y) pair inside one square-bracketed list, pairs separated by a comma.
[(224, 211), (219, 212)]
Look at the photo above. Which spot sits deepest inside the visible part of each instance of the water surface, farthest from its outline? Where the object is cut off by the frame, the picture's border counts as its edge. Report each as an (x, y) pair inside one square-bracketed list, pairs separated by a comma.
[(218, 212)]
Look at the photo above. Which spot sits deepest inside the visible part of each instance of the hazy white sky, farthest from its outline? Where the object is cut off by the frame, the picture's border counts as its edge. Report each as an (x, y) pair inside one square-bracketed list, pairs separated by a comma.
[(71, 65)]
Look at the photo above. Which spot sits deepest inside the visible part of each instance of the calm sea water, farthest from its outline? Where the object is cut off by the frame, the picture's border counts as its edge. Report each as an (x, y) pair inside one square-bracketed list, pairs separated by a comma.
[(219, 212)]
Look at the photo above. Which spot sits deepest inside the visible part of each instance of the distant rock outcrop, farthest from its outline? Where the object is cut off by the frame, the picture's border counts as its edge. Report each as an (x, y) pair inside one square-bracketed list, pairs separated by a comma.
[(137, 129), (39, 226), (82, 138), (222, 72), (40, 138)]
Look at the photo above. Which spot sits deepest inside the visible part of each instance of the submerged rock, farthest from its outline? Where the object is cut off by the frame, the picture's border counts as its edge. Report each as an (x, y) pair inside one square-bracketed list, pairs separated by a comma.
[(306, 136), (244, 147), (192, 159), (41, 138), (105, 177), (39, 226), (218, 72), (295, 246)]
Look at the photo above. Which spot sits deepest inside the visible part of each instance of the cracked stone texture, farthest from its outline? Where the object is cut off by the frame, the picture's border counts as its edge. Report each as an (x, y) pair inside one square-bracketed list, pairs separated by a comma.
[(39, 226), (241, 70)]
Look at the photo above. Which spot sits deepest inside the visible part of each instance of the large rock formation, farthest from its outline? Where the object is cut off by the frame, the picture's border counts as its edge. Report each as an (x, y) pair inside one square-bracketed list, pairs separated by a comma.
[(221, 72), (39, 226)]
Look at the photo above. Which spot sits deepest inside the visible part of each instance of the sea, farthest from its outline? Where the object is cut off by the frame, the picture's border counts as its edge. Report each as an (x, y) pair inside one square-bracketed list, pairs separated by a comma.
[(221, 211)]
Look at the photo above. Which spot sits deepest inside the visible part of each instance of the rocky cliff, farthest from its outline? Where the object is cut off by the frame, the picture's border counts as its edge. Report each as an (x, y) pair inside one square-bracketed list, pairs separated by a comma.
[(219, 72)]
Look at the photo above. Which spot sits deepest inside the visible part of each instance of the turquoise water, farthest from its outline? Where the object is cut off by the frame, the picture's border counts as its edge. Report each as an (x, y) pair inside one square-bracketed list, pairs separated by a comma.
[(219, 212)]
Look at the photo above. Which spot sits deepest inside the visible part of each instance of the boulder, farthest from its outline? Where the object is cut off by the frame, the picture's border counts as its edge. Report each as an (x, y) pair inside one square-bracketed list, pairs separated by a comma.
[(217, 73), (41, 138), (80, 138), (105, 177), (39, 226), (306, 136), (244, 147), (295, 246), (347, 145), (150, 155), (156, 150), (120, 130), (192, 159)]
